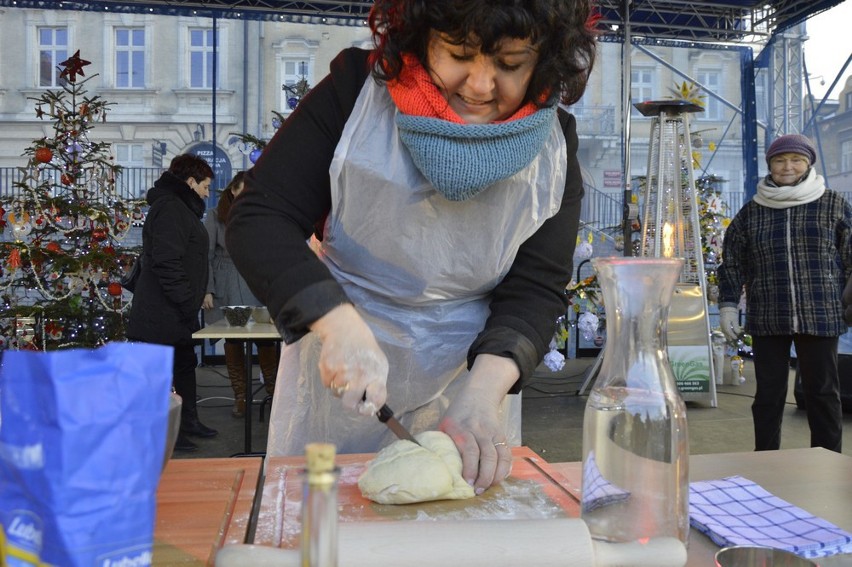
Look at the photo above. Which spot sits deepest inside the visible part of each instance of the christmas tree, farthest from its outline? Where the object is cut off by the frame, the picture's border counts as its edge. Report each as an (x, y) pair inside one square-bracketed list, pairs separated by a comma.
[(59, 260)]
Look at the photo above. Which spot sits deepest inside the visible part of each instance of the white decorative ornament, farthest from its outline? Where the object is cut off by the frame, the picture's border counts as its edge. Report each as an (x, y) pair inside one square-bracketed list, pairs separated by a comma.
[(588, 325), (22, 229), (584, 250), (554, 360)]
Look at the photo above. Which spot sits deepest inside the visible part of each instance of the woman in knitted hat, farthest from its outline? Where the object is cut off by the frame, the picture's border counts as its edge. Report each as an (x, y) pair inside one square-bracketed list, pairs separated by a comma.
[(443, 181), (790, 248)]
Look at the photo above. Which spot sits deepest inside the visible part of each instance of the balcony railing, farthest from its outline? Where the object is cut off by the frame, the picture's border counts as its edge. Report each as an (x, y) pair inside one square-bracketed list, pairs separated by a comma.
[(595, 120), (131, 182)]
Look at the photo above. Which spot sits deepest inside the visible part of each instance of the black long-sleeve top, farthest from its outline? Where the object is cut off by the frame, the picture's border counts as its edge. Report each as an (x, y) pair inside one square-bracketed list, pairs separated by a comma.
[(288, 195)]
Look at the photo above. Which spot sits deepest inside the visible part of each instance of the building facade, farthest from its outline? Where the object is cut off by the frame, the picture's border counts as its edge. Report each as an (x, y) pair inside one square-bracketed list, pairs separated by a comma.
[(172, 92)]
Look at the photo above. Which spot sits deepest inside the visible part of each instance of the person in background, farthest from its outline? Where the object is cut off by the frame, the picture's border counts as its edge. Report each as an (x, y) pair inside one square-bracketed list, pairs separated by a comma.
[(444, 181), (225, 286), (171, 286), (790, 248)]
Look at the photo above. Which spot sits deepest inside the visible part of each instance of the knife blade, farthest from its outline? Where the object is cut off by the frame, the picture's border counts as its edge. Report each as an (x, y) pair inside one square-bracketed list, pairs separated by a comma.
[(385, 415)]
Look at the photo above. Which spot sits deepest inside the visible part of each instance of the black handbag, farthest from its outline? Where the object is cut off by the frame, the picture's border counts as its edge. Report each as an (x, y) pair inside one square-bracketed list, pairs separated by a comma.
[(129, 280)]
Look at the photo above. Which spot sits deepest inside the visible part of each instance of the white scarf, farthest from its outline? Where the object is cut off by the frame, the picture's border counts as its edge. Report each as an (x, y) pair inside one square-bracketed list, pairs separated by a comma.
[(808, 189)]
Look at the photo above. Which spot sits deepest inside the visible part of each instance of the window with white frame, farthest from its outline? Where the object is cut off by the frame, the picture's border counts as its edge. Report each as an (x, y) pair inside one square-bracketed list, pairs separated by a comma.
[(294, 70), (52, 50), (129, 57), (711, 82), (202, 42), (846, 156), (642, 81), (132, 182)]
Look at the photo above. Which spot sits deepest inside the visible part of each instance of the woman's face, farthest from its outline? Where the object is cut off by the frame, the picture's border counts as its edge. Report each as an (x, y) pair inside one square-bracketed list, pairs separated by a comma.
[(202, 188), (787, 169), (482, 88)]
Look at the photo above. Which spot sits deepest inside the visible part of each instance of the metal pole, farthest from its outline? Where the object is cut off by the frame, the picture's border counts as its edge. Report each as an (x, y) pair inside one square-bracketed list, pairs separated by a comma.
[(626, 77)]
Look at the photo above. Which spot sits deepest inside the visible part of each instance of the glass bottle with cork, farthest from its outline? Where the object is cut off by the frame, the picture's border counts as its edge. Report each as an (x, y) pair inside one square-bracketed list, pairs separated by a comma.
[(319, 507)]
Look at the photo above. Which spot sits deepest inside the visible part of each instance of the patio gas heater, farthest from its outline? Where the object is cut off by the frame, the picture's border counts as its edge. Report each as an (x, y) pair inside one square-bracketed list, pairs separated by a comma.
[(671, 228)]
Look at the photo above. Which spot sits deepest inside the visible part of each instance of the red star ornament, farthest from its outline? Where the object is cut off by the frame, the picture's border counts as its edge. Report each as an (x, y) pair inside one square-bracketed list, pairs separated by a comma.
[(72, 66)]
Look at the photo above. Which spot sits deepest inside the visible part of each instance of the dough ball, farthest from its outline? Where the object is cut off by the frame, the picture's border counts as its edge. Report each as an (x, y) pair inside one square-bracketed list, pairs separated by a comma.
[(405, 473)]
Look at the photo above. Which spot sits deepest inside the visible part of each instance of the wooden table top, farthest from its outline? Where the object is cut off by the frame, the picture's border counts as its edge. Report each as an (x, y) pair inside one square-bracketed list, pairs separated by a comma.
[(206, 503), (251, 331), (531, 492), (203, 504)]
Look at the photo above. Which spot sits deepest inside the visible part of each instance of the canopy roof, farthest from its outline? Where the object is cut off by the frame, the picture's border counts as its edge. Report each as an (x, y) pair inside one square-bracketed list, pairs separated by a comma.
[(700, 20)]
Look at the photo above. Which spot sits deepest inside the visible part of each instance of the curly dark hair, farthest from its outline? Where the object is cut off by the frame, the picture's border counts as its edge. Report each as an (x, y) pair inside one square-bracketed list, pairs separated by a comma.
[(563, 32), (226, 199), (188, 165)]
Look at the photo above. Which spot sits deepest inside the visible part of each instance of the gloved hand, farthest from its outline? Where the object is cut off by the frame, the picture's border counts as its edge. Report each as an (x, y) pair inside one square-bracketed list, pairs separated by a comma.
[(472, 421), (729, 320), (351, 364)]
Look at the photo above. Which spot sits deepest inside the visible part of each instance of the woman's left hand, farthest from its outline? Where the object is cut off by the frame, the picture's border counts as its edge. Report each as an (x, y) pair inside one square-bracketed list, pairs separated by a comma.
[(472, 421)]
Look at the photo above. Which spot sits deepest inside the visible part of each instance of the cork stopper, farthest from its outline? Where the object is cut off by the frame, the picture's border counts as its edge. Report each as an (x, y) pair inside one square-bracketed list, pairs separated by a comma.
[(320, 457)]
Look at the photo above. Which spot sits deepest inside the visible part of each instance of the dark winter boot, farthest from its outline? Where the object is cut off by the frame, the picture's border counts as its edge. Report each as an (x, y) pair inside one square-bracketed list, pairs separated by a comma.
[(268, 357), (235, 359), (184, 445), (190, 425)]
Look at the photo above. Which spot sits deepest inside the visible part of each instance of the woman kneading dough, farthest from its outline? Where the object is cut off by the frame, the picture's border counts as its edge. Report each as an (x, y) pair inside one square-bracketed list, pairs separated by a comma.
[(441, 179)]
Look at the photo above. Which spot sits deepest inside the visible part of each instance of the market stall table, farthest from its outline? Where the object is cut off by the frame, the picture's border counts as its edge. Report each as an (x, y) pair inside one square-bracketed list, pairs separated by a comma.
[(206, 503), (203, 504), (248, 334)]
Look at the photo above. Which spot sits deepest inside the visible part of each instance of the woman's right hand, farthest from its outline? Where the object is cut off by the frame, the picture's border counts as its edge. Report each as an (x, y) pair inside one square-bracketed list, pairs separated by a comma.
[(352, 365), (207, 303)]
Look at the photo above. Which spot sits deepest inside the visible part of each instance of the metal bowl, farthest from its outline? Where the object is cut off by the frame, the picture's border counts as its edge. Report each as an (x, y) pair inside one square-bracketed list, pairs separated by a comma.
[(237, 315), (747, 556)]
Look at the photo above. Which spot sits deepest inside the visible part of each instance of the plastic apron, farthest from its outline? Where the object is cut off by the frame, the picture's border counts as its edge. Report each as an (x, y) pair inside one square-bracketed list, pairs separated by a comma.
[(419, 269)]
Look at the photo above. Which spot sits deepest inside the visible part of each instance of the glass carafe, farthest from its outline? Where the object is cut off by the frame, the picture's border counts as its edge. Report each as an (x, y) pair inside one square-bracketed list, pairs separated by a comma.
[(635, 446)]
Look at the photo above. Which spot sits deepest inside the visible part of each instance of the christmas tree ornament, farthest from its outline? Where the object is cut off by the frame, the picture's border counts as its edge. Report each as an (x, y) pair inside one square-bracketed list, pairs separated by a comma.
[(14, 259), (73, 66), (21, 230), (114, 289), (254, 155), (43, 155)]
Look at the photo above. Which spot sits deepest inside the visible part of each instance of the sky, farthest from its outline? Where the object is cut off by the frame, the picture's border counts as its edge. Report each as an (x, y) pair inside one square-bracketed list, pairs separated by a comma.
[(828, 47)]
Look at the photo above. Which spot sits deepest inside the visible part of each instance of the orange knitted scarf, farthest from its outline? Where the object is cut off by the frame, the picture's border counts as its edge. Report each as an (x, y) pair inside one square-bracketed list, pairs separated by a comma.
[(415, 94)]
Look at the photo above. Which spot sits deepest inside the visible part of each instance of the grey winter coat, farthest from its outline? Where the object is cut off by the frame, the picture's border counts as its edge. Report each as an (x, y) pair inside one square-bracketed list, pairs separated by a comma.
[(224, 281)]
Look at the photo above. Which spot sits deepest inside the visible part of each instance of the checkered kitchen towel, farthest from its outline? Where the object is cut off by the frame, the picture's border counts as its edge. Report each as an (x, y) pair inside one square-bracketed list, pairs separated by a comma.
[(736, 511), (597, 490)]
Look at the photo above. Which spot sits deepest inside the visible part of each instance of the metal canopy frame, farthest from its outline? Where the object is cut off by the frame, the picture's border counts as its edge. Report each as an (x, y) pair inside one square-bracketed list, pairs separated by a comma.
[(700, 20), (711, 20)]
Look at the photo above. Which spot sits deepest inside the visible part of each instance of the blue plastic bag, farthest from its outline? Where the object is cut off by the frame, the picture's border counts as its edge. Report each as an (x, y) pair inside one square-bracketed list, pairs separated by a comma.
[(82, 439)]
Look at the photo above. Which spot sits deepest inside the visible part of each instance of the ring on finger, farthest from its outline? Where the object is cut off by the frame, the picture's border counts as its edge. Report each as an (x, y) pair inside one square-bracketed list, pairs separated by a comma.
[(339, 390), (503, 443)]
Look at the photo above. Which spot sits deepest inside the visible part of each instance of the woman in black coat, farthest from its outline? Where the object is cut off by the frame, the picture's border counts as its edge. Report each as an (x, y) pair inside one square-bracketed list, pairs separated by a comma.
[(173, 279)]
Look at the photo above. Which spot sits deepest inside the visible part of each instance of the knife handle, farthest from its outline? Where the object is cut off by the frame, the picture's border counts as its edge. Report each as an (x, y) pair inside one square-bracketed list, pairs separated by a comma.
[(385, 413)]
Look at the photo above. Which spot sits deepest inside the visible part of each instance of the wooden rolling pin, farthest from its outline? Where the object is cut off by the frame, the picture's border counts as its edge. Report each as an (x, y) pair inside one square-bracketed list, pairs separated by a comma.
[(473, 543)]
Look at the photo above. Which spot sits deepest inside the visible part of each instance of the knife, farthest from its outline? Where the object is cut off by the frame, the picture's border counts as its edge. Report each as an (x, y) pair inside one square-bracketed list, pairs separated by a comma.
[(385, 415)]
